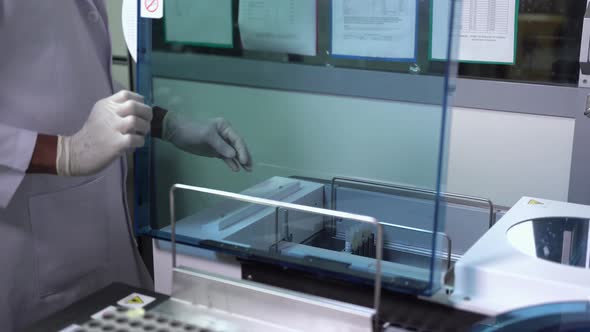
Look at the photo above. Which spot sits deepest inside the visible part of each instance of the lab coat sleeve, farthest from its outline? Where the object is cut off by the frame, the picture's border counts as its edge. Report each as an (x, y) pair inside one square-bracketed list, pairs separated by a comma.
[(16, 150)]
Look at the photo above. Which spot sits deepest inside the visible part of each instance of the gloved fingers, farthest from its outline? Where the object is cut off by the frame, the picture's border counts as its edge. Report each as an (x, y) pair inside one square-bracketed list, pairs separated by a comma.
[(221, 147), (134, 125), (237, 142), (125, 95), (248, 166), (133, 107), (131, 141), (232, 164)]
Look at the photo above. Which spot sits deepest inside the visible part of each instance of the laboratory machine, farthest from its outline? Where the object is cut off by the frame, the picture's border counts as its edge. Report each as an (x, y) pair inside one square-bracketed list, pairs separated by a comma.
[(345, 223)]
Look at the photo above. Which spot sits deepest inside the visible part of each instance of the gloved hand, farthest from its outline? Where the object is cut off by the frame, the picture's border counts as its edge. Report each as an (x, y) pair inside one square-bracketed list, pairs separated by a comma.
[(212, 138), (116, 124)]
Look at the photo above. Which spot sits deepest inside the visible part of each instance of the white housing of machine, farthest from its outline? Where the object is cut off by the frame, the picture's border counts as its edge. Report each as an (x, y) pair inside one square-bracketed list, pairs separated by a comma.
[(495, 275)]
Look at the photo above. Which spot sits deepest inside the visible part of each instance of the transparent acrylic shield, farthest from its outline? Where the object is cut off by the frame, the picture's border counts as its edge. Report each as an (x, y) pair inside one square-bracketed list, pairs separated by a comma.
[(272, 230), (328, 124)]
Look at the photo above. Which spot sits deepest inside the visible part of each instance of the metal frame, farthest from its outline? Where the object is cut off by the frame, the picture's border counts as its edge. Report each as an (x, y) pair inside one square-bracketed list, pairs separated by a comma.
[(584, 79), (536, 99), (299, 77), (579, 191), (548, 100), (287, 206)]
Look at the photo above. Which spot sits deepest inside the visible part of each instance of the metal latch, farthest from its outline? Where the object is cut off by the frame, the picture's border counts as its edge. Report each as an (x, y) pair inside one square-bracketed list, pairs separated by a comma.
[(587, 110), (584, 80)]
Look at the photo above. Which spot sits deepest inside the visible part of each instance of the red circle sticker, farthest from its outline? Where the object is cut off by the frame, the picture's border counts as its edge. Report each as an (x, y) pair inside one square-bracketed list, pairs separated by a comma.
[(151, 5)]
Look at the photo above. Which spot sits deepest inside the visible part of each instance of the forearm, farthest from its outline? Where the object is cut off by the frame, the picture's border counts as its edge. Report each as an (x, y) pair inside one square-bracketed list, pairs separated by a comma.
[(157, 124), (44, 155)]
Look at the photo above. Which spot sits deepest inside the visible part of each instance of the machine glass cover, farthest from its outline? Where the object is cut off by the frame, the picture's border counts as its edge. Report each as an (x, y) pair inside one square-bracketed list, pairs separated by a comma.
[(328, 125)]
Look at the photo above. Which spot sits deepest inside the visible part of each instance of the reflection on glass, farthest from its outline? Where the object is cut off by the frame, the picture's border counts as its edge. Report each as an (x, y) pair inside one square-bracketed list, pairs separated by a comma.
[(560, 240), (302, 139)]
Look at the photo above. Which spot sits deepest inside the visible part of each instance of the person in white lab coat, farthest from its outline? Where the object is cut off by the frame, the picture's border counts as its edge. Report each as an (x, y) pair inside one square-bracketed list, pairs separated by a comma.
[(64, 228)]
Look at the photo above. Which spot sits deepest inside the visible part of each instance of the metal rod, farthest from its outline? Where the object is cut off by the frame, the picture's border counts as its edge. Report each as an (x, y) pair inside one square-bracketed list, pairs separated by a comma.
[(332, 223), (286, 229), (289, 206), (449, 247), (277, 229), (288, 236), (485, 201), (173, 226)]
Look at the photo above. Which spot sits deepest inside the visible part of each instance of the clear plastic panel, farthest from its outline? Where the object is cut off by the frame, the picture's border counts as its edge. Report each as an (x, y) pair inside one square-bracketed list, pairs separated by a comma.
[(266, 229), (310, 112)]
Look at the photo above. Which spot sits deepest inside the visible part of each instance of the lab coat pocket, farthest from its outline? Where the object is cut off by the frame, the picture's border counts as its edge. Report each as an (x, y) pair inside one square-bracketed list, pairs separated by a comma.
[(70, 230)]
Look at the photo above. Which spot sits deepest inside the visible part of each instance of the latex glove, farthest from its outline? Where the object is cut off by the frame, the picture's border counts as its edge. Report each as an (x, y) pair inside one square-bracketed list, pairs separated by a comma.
[(213, 138), (116, 124)]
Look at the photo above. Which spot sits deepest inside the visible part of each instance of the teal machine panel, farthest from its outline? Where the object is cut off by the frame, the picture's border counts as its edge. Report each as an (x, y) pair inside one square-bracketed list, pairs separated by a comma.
[(342, 108)]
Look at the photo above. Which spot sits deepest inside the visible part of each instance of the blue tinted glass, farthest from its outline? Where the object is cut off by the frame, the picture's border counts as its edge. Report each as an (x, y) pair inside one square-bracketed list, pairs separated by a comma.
[(353, 126)]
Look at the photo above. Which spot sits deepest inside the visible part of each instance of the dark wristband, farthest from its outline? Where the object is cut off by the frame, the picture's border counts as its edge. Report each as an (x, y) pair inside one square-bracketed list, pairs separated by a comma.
[(157, 125)]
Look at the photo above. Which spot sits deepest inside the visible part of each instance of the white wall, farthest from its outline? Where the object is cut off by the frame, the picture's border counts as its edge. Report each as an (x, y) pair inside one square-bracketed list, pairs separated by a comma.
[(504, 156)]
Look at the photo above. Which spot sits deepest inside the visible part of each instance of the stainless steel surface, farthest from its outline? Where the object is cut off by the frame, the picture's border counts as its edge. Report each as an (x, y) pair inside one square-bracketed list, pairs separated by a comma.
[(579, 184), (215, 320), (270, 304), (288, 206)]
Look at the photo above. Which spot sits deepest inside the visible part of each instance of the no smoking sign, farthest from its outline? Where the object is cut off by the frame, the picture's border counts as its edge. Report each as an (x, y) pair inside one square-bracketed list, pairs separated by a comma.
[(152, 8)]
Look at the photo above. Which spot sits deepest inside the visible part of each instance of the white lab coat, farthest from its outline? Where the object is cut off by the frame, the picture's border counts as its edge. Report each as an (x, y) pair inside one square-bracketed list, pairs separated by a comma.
[(60, 238)]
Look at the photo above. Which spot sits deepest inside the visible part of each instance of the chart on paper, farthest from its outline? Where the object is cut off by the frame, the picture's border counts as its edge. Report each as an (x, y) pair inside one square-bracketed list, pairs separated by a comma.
[(375, 8), (487, 30), (374, 28), (487, 16), (284, 26)]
